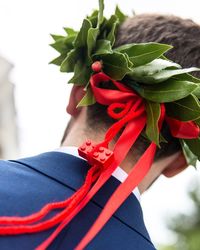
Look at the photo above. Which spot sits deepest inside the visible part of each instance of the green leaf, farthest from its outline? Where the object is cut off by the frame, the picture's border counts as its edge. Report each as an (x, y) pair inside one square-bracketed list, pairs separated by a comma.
[(145, 74), (81, 74), (144, 53), (187, 77), (111, 26), (94, 18), (94, 31), (70, 31), (58, 61), (69, 63), (196, 92), (60, 46), (95, 14), (120, 15), (102, 47), (56, 37), (186, 109), (147, 57), (101, 9), (194, 146), (166, 74), (63, 45), (81, 39), (88, 99), (153, 115), (156, 66), (115, 65), (91, 39), (169, 91), (190, 78), (130, 64), (189, 156)]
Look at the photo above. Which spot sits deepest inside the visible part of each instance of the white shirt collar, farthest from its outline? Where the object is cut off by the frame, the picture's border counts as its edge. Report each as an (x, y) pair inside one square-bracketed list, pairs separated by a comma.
[(119, 173)]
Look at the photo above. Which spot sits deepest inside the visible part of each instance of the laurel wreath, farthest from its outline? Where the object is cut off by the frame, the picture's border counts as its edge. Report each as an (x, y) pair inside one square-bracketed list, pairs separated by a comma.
[(143, 67)]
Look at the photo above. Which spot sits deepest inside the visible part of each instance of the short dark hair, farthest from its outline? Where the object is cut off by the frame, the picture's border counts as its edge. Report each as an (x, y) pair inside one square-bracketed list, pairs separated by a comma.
[(183, 35)]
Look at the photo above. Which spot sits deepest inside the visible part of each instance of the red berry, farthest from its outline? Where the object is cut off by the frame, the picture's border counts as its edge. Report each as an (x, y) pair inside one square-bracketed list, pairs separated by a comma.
[(97, 66)]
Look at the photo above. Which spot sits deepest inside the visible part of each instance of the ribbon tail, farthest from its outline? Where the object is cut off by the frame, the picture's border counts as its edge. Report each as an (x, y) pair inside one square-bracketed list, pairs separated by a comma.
[(121, 149), (120, 195)]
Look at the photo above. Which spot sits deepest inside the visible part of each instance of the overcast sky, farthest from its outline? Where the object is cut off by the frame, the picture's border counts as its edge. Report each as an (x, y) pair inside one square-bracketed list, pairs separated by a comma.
[(42, 91)]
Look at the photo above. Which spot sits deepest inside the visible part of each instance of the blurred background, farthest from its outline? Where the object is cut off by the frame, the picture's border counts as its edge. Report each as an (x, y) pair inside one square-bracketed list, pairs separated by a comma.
[(34, 95)]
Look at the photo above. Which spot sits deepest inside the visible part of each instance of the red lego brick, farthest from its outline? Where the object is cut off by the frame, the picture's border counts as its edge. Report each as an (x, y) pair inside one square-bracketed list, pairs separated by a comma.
[(102, 156)]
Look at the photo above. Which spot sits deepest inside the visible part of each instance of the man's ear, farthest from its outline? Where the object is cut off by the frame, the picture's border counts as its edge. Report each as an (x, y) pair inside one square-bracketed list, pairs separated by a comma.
[(76, 95), (176, 166)]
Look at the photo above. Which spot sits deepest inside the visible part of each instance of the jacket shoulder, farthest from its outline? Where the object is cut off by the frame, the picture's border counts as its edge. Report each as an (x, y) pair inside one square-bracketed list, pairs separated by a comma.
[(28, 184), (22, 186)]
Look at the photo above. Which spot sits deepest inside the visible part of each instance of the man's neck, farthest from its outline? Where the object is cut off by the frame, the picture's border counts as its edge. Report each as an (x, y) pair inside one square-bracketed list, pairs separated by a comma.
[(78, 133)]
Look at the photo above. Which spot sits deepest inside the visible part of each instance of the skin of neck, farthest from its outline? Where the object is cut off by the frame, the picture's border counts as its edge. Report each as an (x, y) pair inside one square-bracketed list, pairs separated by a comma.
[(78, 132)]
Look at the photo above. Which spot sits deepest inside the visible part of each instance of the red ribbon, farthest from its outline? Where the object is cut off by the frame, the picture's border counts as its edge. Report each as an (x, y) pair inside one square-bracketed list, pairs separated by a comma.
[(184, 130), (124, 96), (129, 108)]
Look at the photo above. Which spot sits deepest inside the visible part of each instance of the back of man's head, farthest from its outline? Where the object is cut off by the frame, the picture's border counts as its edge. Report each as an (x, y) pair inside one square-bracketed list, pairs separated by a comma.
[(183, 35)]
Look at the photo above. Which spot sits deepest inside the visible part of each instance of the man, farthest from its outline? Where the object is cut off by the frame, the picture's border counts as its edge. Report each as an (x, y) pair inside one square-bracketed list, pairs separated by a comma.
[(182, 35), (28, 184)]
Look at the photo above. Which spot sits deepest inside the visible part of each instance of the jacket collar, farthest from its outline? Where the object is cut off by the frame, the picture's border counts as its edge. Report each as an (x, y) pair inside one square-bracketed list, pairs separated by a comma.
[(119, 173), (71, 171)]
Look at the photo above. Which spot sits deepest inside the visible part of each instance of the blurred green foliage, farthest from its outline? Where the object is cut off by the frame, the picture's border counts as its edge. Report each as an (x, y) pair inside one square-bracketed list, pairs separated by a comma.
[(187, 227)]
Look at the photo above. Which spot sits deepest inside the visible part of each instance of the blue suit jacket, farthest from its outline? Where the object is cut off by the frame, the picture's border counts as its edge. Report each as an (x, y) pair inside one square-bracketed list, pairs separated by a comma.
[(26, 185)]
